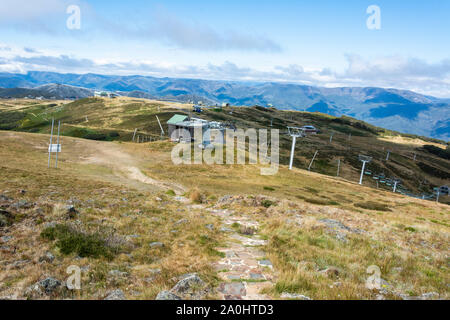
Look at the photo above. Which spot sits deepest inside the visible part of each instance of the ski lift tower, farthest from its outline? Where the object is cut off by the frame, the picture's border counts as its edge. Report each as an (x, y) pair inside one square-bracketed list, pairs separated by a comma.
[(294, 132), (396, 183), (364, 160)]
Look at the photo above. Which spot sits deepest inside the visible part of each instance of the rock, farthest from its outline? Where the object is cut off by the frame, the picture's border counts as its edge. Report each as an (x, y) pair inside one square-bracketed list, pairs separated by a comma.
[(118, 273), (331, 272), (265, 263), (21, 191), (6, 218), (210, 227), (256, 276), (155, 271), (225, 229), (71, 212), (4, 198), (48, 286), (5, 239), (166, 295), (287, 295), (115, 295), (19, 263), (156, 245), (158, 199), (190, 283), (48, 257), (22, 204), (232, 289), (430, 296), (181, 221)]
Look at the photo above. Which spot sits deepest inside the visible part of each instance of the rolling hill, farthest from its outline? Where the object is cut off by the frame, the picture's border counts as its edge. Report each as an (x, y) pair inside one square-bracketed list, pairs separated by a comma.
[(140, 227), (399, 110)]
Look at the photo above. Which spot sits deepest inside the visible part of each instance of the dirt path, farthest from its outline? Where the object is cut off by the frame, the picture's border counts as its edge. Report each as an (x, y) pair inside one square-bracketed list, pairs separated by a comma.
[(244, 270), (125, 166)]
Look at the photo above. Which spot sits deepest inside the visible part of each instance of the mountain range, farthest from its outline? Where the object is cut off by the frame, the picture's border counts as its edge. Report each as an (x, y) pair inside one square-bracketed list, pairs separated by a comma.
[(399, 110)]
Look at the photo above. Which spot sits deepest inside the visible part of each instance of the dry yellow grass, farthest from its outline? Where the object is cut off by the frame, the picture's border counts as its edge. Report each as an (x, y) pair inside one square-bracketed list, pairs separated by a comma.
[(408, 240)]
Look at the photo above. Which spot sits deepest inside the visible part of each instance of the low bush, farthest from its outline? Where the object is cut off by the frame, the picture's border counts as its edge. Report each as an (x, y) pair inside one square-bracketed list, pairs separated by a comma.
[(72, 241)]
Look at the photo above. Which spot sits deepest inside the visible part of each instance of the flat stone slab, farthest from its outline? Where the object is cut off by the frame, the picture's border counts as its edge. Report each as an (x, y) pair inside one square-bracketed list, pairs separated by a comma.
[(265, 263), (257, 276), (233, 289)]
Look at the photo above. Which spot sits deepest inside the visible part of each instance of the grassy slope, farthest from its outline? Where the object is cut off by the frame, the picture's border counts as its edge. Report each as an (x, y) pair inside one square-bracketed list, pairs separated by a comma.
[(116, 119), (407, 238)]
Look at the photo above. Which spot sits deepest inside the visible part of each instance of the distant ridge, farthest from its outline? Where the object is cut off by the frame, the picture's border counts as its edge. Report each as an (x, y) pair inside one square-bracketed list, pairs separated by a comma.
[(399, 110)]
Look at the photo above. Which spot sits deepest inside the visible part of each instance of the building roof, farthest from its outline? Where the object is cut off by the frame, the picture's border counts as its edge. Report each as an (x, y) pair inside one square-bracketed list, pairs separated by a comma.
[(177, 118)]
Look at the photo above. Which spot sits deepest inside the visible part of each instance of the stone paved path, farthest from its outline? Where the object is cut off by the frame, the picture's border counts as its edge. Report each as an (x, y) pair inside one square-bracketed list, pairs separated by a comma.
[(244, 270)]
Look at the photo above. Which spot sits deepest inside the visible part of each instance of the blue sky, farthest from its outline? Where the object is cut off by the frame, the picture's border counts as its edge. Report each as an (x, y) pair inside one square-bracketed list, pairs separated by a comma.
[(322, 42)]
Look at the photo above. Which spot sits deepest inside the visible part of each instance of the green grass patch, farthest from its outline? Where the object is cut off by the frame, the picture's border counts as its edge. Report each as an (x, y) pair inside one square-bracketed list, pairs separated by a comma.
[(71, 241), (371, 205)]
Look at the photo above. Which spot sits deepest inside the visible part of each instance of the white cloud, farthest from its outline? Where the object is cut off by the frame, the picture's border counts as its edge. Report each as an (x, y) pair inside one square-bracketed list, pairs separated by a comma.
[(394, 72)]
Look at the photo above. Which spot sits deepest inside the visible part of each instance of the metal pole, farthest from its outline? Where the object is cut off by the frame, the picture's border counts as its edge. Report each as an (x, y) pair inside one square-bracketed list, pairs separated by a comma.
[(162, 130), (57, 145), (395, 186), (331, 138), (437, 196), (415, 156), (362, 172), (134, 134), (339, 167), (377, 185), (294, 138), (51, 141), (315, 154), (387, 156)]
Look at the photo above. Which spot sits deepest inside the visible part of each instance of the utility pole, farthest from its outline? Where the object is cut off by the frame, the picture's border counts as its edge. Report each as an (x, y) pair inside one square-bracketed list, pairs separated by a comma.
[(315, 154)]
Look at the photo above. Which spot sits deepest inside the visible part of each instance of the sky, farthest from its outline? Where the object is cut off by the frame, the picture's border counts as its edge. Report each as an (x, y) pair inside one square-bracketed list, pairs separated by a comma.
[(321, 43)]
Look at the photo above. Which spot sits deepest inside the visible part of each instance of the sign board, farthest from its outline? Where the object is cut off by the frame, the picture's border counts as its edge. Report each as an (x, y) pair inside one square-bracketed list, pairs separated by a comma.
[(54, 148)]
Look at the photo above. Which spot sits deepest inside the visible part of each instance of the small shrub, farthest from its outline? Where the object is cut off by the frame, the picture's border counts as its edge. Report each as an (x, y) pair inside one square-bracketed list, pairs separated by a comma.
[(370, 205), (267, 203), (195, 196), (410, 229), (269, 188), (248, 231), (69, 241), (171, 193)]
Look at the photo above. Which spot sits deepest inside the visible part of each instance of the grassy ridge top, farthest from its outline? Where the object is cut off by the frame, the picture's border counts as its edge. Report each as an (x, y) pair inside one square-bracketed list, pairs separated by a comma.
[(116, 120)]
